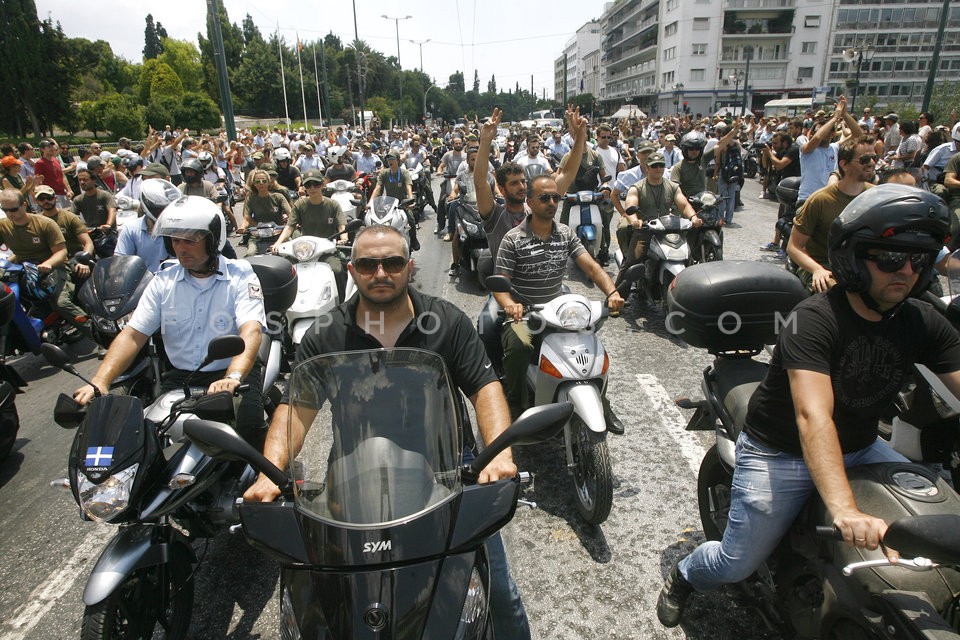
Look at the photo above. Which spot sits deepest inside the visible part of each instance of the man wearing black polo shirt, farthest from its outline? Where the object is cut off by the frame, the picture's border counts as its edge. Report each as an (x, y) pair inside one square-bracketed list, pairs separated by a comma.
[(387, 313)]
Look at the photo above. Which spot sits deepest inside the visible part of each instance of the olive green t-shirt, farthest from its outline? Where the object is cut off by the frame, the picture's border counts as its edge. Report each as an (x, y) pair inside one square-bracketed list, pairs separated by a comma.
[(815, 216), (321, 220), (71, 226), (654, 201), (205, 189), (692, 176), (93, 209), (32, 242), (270, 208)]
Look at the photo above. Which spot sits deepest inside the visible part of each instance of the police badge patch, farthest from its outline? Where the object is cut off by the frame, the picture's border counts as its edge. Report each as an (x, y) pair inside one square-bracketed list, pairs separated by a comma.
[(253, 291)]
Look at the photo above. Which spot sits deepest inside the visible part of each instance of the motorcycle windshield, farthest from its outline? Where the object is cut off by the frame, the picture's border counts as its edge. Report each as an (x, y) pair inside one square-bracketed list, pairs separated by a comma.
[(670, 223), (115, 287), (383, 205), (411, 164), (380, 435)]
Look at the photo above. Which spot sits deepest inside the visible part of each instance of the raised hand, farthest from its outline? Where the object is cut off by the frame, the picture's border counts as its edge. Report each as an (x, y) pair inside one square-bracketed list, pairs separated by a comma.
[(489, 128)]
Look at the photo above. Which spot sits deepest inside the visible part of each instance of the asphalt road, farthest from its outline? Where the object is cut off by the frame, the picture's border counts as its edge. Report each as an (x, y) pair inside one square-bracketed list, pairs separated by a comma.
[(577, 581)]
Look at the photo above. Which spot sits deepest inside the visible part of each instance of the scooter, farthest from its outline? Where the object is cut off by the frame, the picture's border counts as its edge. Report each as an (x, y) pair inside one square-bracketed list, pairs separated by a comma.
[(345, 193), (813, 586), (668, 253), (585, 217), (131, 466), (389, 211), (380, 529), (788, 190), (317, 292), (706, 241), (472, 243), (11, 383), (35, 321), (264, 235), (422, 193), (571, 365)]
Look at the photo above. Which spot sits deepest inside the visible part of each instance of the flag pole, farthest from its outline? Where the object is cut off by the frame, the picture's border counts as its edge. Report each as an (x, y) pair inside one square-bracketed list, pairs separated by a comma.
[(317, 75), (283, 79), (303, 95)]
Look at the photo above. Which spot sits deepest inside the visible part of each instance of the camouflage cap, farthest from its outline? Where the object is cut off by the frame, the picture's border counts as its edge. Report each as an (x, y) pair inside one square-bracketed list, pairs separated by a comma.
[(646, 146), (656, 160), (314, 175), (155, 170)]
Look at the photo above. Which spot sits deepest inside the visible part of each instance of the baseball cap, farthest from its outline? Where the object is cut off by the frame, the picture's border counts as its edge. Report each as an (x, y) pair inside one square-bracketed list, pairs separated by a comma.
[(313, 176), (656, 160), (9, 161), (43, 188), (366, 145), (94, 161), (155, 170), (671, 137), (394, 155), (258, 155), (645, 146)]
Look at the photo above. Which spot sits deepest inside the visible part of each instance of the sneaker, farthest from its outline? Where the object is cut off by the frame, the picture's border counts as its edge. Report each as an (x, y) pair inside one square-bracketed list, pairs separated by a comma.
[(101, 352), (414, 245), (454, 270), (673, 597), (781, 255), (770, 246), (447, 237)]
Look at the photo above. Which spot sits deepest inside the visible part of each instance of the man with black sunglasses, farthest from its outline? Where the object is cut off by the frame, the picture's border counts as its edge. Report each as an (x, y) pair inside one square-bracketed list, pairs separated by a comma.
[(856, 163), (388, 313)]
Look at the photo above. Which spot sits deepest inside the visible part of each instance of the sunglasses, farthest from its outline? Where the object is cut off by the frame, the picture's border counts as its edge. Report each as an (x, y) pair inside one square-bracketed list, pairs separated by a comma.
[(312, 184), (549, 197), (43, 198), (261, 181), (369, 266), (893, 261), (13, 210), (865, 160)]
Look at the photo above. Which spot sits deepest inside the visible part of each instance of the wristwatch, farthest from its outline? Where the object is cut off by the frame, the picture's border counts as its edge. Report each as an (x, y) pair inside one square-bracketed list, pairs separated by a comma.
[(234, 375)]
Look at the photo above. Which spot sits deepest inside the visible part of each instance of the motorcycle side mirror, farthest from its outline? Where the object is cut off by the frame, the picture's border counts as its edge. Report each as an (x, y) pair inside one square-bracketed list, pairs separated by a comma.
[(223, 347), (406, 202), (83, 258), (59, 358), (540, 422), (378, 164), (606, 179), (632, 210), (218, 440), (67, 412), (633, 273), (498, 284), (930, 536)]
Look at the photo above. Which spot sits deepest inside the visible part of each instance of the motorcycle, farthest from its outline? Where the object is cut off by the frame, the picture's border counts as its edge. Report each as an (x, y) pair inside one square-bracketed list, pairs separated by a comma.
[(380, 530), (11, 383), (109, 296), (585, 220), (706, 242), (668, 253), (570, 366), (344, 192), (35, 321), (446, 188), (264, 235), (813, 586), (317, 292), (389, 211), (128, 211), (750, 164), (131, 466), (471, 239), (787, 191), (422, 193)]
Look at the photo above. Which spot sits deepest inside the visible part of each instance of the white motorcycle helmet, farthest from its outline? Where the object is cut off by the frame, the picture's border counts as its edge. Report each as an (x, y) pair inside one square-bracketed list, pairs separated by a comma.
[(155, 195), (335, 154), (206, 160), (281, 154), (193, 218), (955, 132)]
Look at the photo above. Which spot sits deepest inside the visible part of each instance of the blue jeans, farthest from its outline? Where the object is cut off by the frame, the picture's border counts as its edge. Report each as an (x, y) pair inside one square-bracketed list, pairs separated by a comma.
[(507, 613), (452, 216), (729, 191), (769, 490)]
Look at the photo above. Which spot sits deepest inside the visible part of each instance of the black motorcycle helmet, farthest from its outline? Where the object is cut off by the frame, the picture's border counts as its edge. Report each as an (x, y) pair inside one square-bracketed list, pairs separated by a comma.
[(893, 217), (192, 165), (692, 141)]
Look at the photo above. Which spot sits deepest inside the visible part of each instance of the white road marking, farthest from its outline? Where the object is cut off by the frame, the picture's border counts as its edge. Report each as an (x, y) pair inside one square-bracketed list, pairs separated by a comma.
[(42, 599), (673, 420)]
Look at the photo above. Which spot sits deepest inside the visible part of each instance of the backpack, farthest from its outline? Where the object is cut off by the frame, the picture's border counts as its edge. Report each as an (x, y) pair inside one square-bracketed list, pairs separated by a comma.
[(732, 168)]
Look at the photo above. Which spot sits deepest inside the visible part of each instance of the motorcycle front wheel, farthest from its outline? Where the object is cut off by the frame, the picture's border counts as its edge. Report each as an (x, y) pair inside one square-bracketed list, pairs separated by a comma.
[(9, 426), (592, 473), (133, 610), (711, 253), (713, 494)]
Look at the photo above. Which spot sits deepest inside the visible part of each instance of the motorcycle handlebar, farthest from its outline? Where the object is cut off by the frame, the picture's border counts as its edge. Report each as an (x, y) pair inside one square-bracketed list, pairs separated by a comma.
[(829, 532)]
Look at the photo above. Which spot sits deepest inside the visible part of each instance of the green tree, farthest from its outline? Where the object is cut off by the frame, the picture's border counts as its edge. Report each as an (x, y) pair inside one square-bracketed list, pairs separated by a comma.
[(380, 106), (147, 71), (122, 116), (165, 82), (476, 81), (162, 111), (90, 117), (197, 111), (152, 46), (455, 84), (492, 85), (256, 82), (184, 58), (250, 30), (233, 48), (944, 102)]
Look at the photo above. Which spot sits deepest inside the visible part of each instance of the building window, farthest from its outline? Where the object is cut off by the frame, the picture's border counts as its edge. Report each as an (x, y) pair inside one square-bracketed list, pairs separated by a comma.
[(672, 4), (804, 73), (808, 47), (699, 48), (697, 75), (811, 21), (670, 29), (670, 53), (701, 24), (668, 78)]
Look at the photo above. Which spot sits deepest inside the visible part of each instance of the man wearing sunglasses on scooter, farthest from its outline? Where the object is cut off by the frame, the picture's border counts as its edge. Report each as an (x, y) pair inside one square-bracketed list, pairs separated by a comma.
[(388, 313), (856, 163)]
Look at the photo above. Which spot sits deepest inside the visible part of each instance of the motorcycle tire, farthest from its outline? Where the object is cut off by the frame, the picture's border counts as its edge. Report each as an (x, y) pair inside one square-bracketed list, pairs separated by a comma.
[(9, 426), (664, 288), (711, 253), (713, 494), (127, 612), (592, 473)]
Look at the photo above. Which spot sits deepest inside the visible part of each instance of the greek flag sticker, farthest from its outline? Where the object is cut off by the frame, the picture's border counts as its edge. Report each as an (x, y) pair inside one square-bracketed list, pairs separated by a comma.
[(99, 456)]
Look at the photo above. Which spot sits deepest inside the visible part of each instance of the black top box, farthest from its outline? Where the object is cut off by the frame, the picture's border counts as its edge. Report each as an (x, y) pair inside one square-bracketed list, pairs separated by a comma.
[(278, 280), (732, 305)]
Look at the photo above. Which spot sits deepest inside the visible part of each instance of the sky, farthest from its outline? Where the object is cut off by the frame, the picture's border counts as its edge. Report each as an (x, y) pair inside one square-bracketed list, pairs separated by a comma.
[(509, 39)]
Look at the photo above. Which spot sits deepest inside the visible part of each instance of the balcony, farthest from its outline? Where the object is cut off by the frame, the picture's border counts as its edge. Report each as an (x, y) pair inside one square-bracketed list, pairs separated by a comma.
[(735, 24), (749, 5)]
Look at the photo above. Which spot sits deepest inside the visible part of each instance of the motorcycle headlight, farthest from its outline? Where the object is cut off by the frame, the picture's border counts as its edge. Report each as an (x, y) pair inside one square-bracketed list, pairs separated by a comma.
[(672, 238), (265, 232), (708, 199), (105, 501), (585, 196), (471, 228), (574, 316), (303, 250), (473, 616)]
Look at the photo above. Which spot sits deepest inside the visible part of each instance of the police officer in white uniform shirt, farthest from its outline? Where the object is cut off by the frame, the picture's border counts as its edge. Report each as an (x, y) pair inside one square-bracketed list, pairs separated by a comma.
[(201, 298)]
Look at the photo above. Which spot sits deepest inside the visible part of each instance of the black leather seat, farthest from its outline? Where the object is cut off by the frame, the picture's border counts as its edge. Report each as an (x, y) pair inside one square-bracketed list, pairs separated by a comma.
[(737, 379)]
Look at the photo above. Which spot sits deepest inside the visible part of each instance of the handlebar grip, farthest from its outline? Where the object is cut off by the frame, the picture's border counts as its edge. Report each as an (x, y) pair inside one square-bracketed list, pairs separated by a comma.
[(829, 532)]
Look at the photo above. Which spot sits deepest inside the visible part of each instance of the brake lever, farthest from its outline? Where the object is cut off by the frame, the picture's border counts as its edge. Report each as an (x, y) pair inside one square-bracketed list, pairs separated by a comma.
[(916, 564)]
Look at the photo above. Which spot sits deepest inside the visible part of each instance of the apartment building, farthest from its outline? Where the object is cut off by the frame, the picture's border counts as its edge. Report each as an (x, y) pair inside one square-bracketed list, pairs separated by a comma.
[(571, 67)]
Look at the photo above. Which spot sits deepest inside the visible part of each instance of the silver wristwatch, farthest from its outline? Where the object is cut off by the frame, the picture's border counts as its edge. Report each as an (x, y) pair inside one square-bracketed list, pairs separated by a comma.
[(235, 375)]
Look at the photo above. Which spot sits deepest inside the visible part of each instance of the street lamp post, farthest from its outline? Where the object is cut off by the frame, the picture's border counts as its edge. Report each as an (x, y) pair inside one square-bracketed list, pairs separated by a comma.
[(420, 43), (396, 22), (748, 52), (736, 77), (678, 95), (858, 55), (425, 99)]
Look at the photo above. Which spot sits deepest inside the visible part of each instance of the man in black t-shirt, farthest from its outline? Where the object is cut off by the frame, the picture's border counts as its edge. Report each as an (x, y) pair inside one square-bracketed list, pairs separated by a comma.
[(387, 313), (830, 380)]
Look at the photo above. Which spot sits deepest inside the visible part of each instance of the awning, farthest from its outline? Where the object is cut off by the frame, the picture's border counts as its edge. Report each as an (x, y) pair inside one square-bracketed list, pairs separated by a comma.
[(628, 110)]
